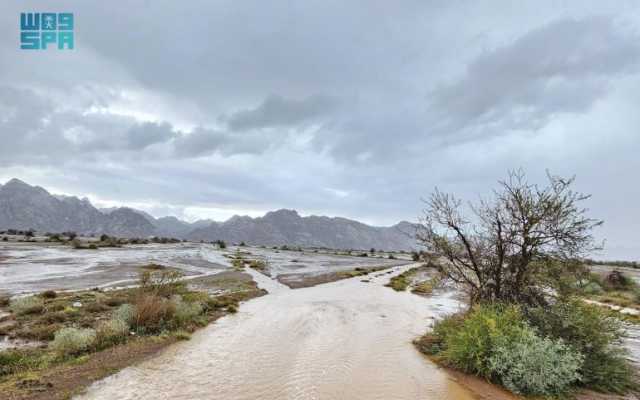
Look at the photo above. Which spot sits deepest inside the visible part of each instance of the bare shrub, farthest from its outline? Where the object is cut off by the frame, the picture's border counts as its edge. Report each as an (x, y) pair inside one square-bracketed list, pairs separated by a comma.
[(161, 282), (152, 313)]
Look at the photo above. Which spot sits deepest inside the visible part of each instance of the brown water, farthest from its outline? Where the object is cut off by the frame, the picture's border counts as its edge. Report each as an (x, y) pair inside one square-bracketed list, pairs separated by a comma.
[(343, 340)]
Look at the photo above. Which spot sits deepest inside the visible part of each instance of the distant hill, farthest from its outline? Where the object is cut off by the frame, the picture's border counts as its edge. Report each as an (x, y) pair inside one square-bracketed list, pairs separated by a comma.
[(287, 227), (23, 206)]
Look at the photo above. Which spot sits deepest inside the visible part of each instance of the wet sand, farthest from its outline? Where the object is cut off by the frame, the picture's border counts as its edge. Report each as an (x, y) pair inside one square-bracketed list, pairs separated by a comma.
[(341, 340)]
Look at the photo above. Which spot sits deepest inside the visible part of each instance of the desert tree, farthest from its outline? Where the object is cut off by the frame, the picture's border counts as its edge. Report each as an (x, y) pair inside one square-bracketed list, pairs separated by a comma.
[(500, 249)]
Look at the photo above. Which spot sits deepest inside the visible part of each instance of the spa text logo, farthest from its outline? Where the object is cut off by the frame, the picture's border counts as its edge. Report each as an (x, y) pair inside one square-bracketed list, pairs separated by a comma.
[(38, 31)]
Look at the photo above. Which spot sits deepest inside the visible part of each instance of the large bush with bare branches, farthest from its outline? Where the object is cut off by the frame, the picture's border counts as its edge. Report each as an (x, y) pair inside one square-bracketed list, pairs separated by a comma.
[(499, 249)]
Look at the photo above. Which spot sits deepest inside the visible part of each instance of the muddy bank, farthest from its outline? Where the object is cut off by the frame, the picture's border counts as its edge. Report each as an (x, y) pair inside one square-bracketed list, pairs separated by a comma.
[(63, 381), (298, 281)]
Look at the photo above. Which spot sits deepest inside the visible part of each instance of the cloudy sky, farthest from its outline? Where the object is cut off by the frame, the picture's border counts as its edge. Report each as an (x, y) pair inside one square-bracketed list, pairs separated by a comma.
[(205, 109)]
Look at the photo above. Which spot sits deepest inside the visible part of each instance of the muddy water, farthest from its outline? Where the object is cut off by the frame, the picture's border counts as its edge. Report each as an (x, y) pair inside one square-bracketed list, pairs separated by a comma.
[(343, 340)]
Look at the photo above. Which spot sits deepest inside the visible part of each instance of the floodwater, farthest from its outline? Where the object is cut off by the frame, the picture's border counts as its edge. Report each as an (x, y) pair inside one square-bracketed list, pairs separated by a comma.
[(343, 340), (310, 263), (35, 267)]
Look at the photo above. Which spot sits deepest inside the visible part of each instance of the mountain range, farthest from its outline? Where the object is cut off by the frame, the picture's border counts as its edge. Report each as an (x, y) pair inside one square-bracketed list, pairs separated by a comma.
[(23, 206)]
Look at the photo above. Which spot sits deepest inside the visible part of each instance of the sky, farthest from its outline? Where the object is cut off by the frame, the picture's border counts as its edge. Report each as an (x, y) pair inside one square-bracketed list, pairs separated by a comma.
[(206, 109)]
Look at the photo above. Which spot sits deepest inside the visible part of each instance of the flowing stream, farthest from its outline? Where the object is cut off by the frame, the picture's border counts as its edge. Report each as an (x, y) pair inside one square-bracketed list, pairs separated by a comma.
[(343, 340)]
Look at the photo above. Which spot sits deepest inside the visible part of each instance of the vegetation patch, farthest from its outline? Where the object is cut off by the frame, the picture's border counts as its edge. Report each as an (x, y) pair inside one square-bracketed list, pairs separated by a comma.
[(88, 335), (519, 260), (420, 280), (534, 352)]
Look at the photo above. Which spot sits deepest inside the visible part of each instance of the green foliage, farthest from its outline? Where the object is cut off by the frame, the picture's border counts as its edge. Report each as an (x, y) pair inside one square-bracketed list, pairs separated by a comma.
[(434, 342), (26, 305), (532, 365), (399, 283), (185, 312), (182, 335), (471, 346), (124, 313), (16, 360), (111, 332), (259, 265), (72, 341), (593, 333)]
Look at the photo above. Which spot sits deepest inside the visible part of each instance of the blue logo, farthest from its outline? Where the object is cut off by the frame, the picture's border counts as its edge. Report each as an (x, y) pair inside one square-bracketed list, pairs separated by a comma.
[(40, 30)]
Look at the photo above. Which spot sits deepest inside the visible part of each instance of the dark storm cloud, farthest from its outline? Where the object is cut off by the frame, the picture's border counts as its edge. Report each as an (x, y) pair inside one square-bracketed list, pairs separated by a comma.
[(276, 111), (145, 134), (331, 107), (562, 67)]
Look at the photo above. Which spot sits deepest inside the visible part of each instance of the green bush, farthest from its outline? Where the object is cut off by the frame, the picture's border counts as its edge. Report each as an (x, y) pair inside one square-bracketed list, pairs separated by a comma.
[(124, 313), (596, 335), (72, 341), (185, 312), (26, 305), (111, 332), (470, 347), (532, 365), (17, 360), (434, 342), (49, 294)]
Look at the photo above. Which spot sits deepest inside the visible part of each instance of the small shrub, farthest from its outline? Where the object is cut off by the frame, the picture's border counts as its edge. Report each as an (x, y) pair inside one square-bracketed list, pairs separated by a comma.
[(53, 317), (232, 308), (593, 333), (151, 313), (532, 365), (163, 283), (423, 288), (111, 332), (125, 313), (72, 341), (49, 294), (4, 301), (400, 282), (18, 360), (592, 288), (616, 280), (470, 347), (114, 301), (26, 305), (96, 307), (186, 312), (260, 265), (44, 332)]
